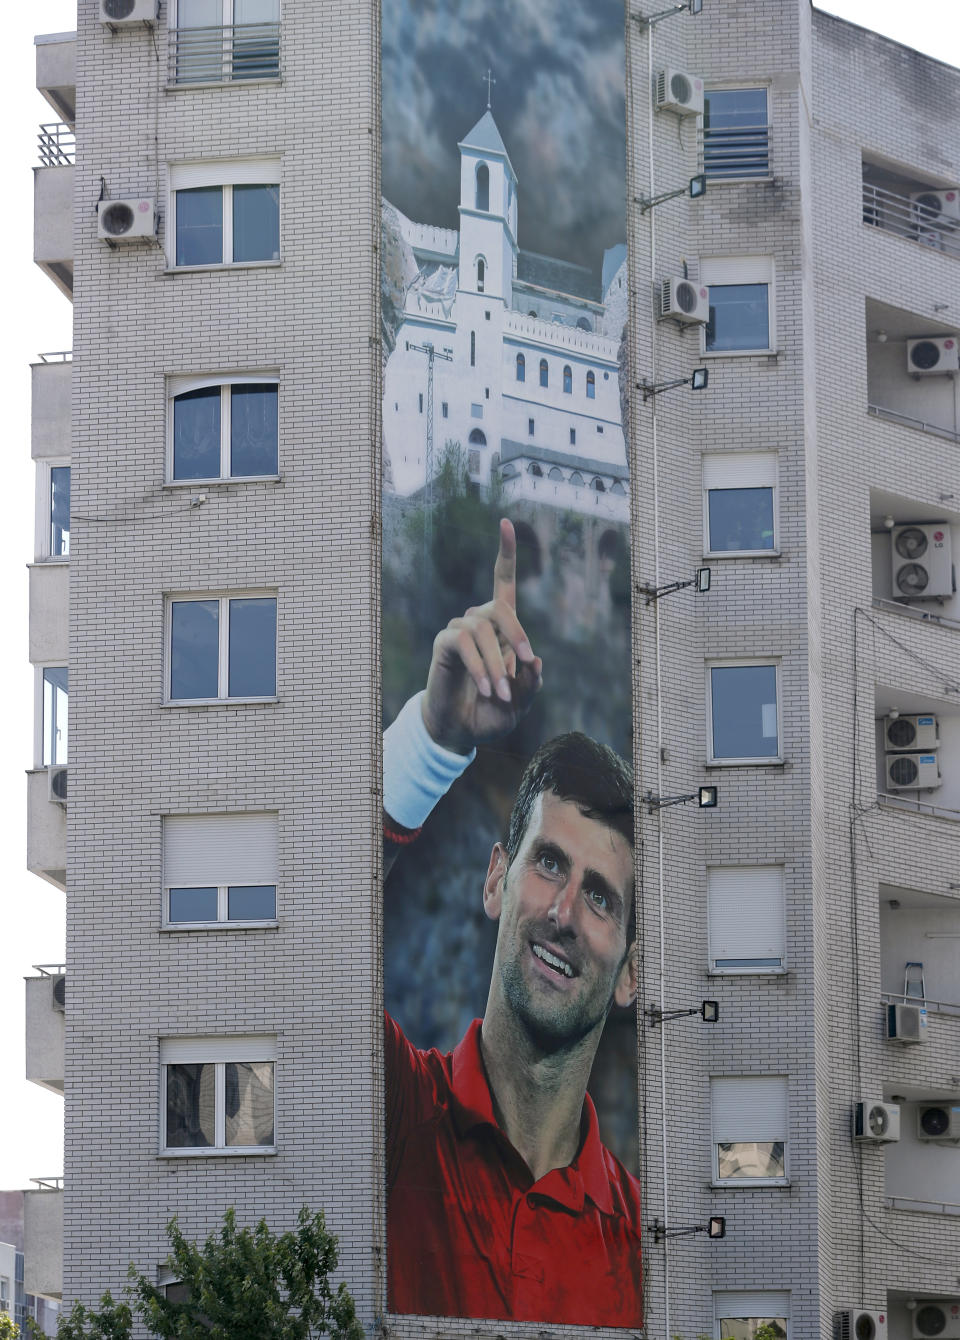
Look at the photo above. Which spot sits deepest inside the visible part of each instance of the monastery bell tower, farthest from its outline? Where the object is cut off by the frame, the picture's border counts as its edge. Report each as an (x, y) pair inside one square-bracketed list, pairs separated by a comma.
[(488, 213)]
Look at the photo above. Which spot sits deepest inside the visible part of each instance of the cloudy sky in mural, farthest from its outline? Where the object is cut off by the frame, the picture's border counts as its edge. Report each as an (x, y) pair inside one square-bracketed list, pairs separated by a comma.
[(558, 101)]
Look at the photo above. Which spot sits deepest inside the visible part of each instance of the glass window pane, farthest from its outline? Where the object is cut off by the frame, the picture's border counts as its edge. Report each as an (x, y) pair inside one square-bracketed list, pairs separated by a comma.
[(190, 1106), (55, 696), (194, 649), (60, 511), (253, 430), (200, 226), (739, 317), (753, 1328), (252, 902), (199, 13), (193, 904), (256, 39), (196, 434), (749, 962), (735, 132), (248, 1094), (256, 223), (199, 41), (740, 519), (751, 1158), (744, 701), (253, 648)]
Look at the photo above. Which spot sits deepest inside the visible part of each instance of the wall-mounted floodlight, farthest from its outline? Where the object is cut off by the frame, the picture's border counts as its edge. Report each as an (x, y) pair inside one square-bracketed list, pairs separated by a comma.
[(688, 6), (700, 583), (695, 188), (697, 381), (708, 1010), (705, 796), (715, 1227)]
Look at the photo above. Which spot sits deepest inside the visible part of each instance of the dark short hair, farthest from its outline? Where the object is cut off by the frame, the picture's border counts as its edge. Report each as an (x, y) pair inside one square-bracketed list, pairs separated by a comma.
[(573, 767)]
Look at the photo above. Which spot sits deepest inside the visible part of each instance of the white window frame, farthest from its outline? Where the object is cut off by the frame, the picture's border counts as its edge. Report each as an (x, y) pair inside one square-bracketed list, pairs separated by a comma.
[(227, 10), (217, 1051), (752, 1304), (179, 385), (743, 760), (42, 547), (223, 630), (255, 852), (749, 881), (225, 173), (724, 87), (743, 467), (729, 270), (758, 1124), (38, 716)]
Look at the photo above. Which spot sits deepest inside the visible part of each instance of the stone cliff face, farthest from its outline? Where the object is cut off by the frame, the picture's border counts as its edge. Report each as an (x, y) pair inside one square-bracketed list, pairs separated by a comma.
[(398, 270)]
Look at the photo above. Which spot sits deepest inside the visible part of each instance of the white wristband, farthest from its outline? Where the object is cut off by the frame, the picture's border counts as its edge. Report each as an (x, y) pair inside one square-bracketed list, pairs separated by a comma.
[(417, 771)]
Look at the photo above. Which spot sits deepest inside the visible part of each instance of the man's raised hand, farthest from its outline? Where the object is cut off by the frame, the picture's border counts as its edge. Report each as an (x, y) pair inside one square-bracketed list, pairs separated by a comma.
[(483, 673)]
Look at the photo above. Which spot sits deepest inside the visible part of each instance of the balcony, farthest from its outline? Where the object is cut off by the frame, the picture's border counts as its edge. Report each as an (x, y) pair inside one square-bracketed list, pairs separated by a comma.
[(51, 383), (45, 1026), (918, 757), (915, 388), (894, 519), (57, 72), (46, 830), (43, 1238), (53, 209), (919, 212), (222, 55)]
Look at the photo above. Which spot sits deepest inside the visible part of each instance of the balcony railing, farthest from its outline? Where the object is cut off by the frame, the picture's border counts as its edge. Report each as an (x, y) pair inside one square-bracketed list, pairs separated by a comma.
[(932, 1006), (57, 145), (735, 151), (923, 1206), (894, 416), (224, 54), (911, 219), (914, 612)]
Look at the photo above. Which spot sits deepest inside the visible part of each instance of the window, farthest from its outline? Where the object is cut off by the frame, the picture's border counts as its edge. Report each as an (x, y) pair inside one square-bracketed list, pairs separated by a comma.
[(59, 511), (749, 1122), (481, 271), (567, 380), (4, 1293), (761, 1315), (544, 373), (530, 427), (476, 411), (483, 186), (740, 316), (217, 1094), (226, 213), (555, 474), (591, 386), (444, 410), (473, 348), (598, 485), (573, 437), (744, 712), (219, 40), (223, 431), (739, 502), (219, 869), (54, 680), (477, 438), (745, 913), (223, 647), (534, 469), (521, 368), (735, 133)]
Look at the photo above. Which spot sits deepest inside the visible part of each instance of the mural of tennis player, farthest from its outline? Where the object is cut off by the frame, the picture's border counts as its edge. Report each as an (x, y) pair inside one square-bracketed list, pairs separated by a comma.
[(503, 1202)]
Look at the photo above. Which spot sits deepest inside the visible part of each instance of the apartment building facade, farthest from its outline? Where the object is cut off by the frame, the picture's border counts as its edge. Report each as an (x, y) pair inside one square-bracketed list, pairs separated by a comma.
[(206, 824)]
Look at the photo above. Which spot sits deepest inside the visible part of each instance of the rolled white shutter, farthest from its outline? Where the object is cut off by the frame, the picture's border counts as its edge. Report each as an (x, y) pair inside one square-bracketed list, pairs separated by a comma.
[(765, 1303), (736, 270), (225, 172), (740, 470), (214, 849), (748, 1107), (235, 1047), (745, 911)]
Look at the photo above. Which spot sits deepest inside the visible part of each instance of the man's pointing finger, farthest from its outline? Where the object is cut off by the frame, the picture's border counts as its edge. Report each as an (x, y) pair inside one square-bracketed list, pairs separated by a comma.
[(505, 568)]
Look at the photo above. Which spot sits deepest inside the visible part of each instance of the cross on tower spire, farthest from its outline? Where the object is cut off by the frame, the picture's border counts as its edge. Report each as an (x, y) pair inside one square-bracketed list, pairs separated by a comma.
[(489, 80)]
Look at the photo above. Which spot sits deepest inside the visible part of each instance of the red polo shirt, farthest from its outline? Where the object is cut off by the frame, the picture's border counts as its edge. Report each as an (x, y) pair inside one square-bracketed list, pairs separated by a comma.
[(471, 1234)]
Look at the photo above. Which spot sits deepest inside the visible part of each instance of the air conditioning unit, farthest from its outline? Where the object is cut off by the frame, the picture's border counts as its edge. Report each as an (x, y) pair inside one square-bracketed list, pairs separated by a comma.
[(122, 13), (940, 1318), (912, 772), (60, 992), (922, 559), (679, 92), (57, 784), (933, 356), (906, 1023), (875, 1121), (859, 1324), (682, 300), (908, 732), (939, 1123), (126, 220), (940, 207)]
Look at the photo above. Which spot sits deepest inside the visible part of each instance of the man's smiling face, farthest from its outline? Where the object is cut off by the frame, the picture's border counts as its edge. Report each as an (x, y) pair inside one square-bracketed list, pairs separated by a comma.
[(565, 911)]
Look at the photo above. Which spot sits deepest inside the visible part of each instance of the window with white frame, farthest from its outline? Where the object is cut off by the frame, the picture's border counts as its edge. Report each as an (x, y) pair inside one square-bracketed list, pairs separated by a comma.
[(762, 1314), (740, 502), (223, 428), (741, 307), (748, 1116), (222, 647), (54, 509), (225, 213), (54, 702), (216, 41), (743, 708), (4, 1293), (219, 869), (217, 1094), (735, 133), (745, 908)]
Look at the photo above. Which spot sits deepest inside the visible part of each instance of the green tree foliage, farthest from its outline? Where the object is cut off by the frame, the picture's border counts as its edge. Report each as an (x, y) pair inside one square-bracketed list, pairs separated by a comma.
[(241, 1284), (9, 1330)]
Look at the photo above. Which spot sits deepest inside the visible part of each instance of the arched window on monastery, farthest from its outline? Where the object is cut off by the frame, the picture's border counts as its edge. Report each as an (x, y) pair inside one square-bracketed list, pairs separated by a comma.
[(583, 323), (618, 489), (531, 312), (534, 469), (481, 272), (483, 186), (576, 478), (591, 385), (544, 373), (567, 379), (477, 438), (521, 368), (556, 474), (598, 485)]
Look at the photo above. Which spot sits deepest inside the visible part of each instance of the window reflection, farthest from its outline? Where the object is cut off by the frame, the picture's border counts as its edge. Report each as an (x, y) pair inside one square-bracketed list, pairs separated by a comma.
[(739, 317), (744, 711), (55, 701), (59, 511), (751, 1158), (740, 519)]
